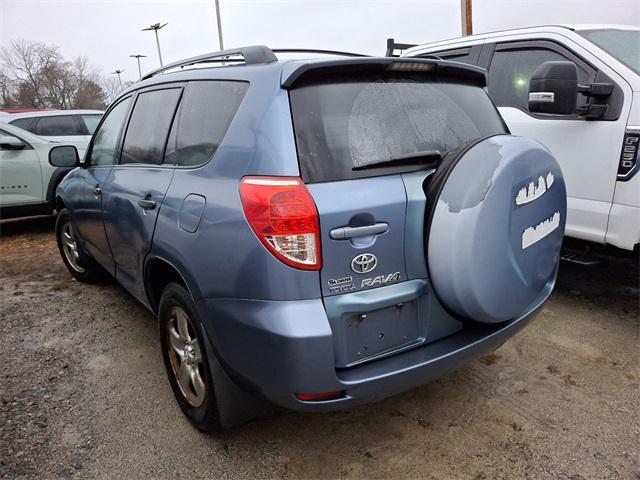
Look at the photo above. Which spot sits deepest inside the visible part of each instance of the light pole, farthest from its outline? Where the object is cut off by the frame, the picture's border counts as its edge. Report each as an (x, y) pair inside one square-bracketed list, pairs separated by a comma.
[(118, 72), (467, 17), (137, 56), (219, 25), (155, 27)]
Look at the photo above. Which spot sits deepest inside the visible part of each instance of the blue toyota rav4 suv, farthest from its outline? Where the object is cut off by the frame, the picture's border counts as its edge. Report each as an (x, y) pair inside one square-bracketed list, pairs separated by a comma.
[(313, 233)]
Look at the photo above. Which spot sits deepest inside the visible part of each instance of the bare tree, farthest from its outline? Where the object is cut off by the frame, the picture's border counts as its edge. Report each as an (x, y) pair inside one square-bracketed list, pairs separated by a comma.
[(111, 88), (7, 91), (27, 62), (57, 85), (36, 75)]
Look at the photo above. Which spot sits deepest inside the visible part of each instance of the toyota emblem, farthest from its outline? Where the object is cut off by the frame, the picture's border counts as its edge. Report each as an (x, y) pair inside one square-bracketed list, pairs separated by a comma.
[(364, 263)]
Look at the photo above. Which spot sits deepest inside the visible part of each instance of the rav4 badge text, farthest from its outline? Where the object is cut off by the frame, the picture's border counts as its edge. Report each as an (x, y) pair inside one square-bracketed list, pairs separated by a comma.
[(345, 284), (380, 280)]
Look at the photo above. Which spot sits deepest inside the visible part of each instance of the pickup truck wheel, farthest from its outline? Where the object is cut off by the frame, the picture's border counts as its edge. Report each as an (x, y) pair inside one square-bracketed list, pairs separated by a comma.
[(82, 267), (185, 357)]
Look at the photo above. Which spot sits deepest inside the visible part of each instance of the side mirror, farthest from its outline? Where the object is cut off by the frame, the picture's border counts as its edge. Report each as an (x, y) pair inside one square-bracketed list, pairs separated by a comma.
[(553, 88), (64, 156), (9, 142)]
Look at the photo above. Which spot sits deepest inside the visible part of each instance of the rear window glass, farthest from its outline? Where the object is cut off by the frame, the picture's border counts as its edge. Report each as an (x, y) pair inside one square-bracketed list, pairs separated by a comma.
[(205, 113), (57, 126), (355, 121)]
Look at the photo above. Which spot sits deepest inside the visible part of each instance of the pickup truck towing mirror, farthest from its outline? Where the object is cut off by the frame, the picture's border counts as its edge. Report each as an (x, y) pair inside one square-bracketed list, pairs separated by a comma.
[(64, 156), (553, 88), (9, 142)]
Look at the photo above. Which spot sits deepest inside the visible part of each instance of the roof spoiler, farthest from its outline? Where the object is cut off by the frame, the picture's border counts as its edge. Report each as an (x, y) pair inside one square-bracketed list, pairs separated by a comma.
[(392, 46), (293, 71)]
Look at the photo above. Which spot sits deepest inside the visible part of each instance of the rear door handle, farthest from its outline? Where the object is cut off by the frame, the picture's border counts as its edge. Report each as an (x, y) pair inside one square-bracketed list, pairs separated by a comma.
[(147, 204), (97, 190), (342, 233)]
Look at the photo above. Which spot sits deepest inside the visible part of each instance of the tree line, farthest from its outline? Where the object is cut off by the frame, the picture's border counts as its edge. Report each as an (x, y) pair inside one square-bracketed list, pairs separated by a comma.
[(36, 75)]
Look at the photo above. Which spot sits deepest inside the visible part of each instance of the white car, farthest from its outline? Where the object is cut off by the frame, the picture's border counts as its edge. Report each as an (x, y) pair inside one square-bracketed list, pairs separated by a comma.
[(27, 180), (597, 143), (58, 125)]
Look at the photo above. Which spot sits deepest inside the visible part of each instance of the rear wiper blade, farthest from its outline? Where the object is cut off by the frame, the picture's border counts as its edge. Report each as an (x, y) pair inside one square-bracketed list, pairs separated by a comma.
[(426, 157)]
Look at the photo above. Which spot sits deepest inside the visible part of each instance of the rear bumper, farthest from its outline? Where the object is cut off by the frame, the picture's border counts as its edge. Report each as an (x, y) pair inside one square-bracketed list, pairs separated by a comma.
[(282, 348)]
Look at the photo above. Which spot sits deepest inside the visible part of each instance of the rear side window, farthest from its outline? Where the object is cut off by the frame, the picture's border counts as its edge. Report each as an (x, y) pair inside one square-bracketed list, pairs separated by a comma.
[(462, 55), (206, 111), (351, 122), (90, 122), (24, 123), (57, 126), (146, 135)]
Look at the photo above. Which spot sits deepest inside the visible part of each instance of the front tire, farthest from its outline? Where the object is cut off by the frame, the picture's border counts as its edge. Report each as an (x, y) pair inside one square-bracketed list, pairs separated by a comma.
[(82, 267), (185, 358)]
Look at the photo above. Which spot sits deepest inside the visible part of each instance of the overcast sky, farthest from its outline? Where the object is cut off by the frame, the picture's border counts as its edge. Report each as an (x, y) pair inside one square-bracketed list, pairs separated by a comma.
[(108, 31)]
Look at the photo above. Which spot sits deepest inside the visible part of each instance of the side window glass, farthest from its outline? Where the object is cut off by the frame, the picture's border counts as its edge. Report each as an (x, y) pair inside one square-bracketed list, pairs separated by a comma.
[(170, 151), (206, 111), (149, 125), (462, 55), (105, 141), (511, 71), (57, 126), (23, 123), (90, 122), (458, 58)]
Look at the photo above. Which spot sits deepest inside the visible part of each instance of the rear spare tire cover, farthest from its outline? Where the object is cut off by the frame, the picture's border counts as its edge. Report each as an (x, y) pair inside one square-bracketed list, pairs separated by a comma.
[(495, 221)]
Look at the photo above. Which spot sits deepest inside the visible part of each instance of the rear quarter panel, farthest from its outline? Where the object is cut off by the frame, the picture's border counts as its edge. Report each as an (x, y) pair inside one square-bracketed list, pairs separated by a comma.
[(223, 258)]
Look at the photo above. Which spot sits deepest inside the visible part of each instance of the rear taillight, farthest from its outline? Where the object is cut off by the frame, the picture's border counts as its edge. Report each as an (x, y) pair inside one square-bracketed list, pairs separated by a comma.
[(283, 215)]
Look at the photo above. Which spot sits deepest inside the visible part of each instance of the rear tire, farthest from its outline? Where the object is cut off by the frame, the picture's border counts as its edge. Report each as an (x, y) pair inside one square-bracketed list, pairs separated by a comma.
[(82, 267), (185, 358)]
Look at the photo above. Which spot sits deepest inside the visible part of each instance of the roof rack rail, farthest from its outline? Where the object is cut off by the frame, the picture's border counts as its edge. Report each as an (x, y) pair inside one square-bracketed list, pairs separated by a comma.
[(392, 46), (429, 55), (309, 50), (253, 55)]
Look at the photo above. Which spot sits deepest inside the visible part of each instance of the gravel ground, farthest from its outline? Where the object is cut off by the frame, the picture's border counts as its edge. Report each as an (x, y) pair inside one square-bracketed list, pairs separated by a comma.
[(83, 393)]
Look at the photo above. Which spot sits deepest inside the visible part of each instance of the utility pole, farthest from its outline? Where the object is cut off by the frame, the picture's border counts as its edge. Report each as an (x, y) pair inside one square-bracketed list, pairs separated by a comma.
[(118, 72), (467, 17), (155, 27), (219, 25), (137, 56)]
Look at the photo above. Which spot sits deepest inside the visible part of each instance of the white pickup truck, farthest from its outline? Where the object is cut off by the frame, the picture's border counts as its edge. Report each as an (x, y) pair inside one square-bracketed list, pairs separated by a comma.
[(596, 143)]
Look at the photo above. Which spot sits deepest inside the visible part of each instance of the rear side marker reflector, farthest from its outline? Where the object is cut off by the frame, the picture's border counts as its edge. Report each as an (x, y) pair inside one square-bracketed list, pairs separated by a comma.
[(283, 215), (320, 397)]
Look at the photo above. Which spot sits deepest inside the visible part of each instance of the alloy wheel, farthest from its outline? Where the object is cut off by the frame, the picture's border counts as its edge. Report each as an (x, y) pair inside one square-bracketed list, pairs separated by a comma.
[(70, 247), (186, 357)]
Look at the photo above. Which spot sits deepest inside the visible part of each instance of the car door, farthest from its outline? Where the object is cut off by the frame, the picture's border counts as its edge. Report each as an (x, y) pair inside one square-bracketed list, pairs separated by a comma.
[(587, 150), (134, 192), (20, 174), (87, 194)]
